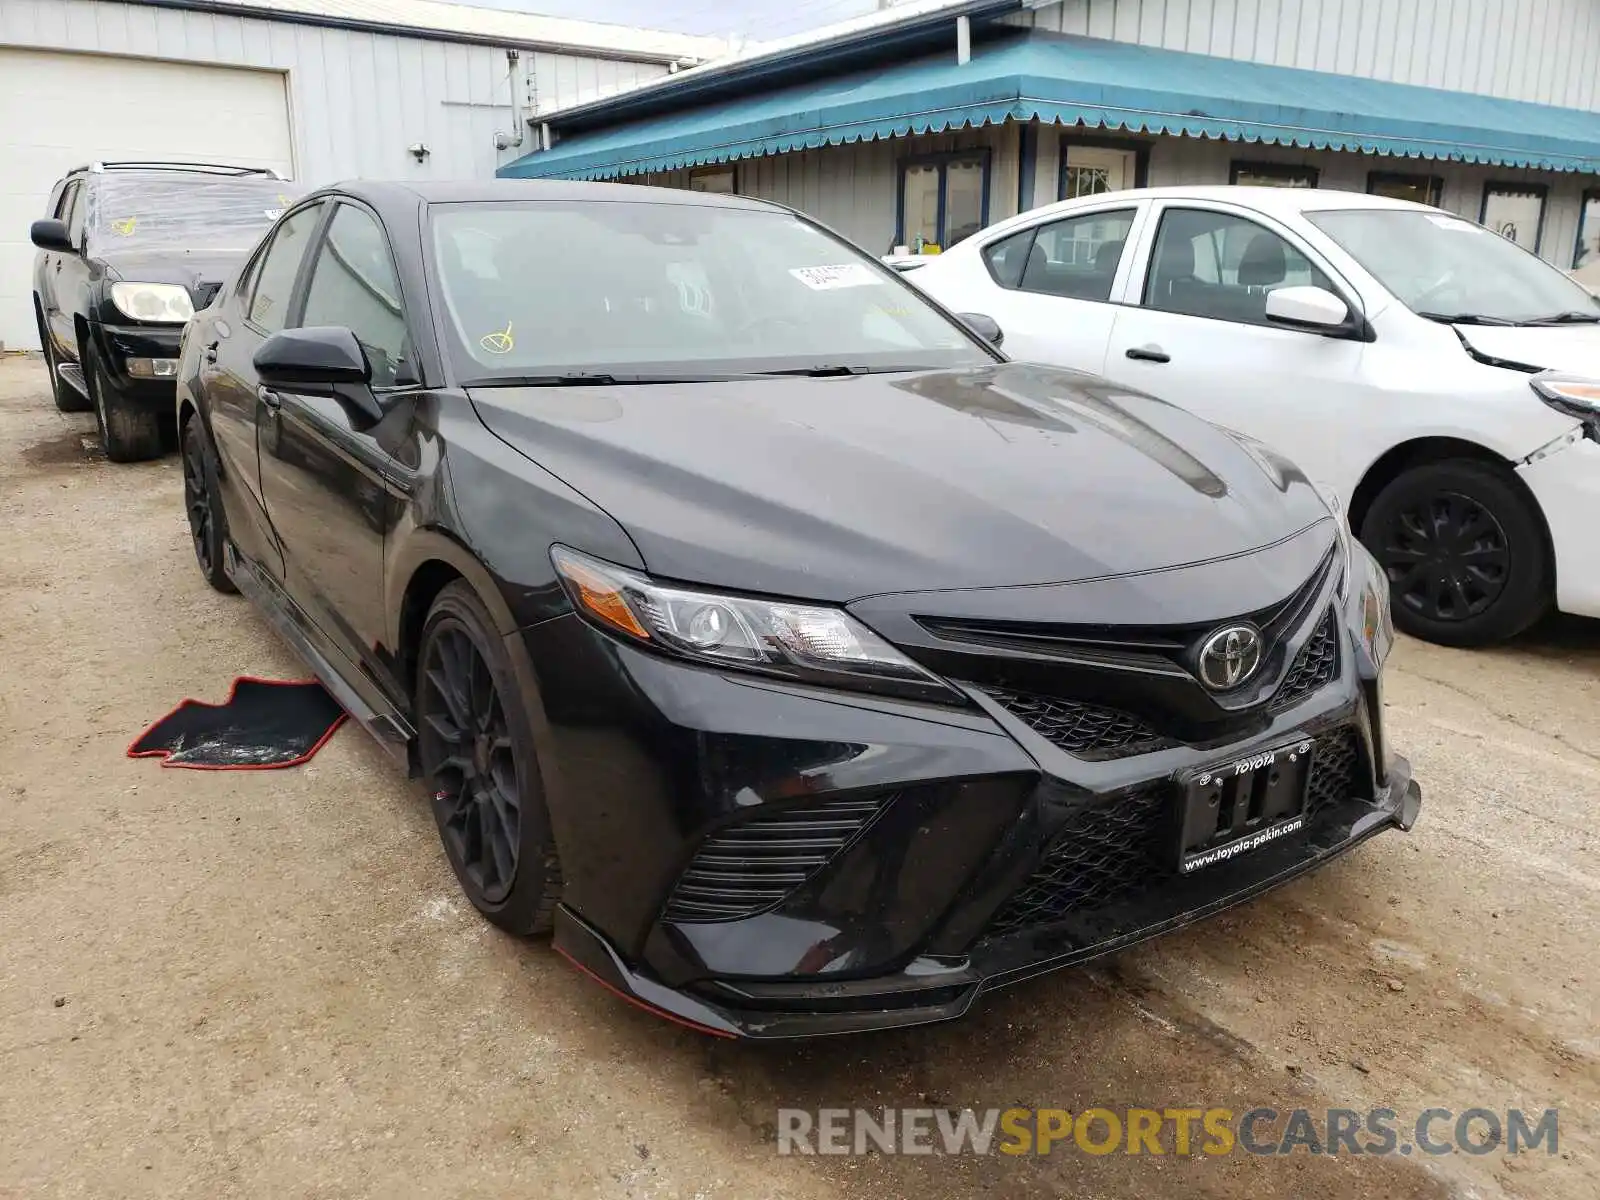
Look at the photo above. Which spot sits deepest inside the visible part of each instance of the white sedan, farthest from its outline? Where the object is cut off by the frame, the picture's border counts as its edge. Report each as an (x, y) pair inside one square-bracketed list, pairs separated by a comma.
[(1443, 383)]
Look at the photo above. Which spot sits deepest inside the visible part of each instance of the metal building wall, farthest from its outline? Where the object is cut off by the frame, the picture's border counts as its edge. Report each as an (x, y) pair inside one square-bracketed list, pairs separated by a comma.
[(357, 100), (1540, 50)]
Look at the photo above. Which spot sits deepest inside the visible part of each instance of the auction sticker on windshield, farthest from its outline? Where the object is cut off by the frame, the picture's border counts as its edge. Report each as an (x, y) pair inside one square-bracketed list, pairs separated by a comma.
[(845, 275)]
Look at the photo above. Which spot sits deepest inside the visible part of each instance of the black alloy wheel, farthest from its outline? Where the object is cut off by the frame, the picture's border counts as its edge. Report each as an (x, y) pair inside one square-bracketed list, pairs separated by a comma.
[(477, 755), (208, 523), (1464, 551)]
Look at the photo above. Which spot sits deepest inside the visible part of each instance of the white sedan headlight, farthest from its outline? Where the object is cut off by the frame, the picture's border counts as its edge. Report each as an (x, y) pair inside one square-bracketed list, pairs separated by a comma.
[(167, 303)]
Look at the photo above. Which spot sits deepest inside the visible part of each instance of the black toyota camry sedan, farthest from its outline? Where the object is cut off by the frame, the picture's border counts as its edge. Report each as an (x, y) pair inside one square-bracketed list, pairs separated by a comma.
[(805, 664)]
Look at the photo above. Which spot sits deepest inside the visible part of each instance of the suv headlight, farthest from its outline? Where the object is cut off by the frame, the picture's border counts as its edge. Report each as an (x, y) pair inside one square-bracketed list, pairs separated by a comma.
[(805, 642), (167, 303)]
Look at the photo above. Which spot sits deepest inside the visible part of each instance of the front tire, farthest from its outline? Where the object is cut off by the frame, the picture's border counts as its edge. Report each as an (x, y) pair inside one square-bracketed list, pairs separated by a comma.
[(208, 523), (1464, 548), (475, 747), (129, 434)]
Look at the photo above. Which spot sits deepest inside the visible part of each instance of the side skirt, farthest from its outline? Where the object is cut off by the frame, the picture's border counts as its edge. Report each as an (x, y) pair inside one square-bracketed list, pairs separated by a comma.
[(392, 731)]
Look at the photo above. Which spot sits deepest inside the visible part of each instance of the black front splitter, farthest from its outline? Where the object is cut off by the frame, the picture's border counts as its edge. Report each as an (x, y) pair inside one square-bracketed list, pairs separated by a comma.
[(941, 990)]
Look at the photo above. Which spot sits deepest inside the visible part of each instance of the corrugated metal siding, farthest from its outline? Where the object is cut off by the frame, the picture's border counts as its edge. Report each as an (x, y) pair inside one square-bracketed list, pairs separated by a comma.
[(357, 100), (1540, 50)]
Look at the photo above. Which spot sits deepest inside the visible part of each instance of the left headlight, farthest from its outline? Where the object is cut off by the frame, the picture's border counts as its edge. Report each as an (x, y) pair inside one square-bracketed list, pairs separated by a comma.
[(1363, 585), (164, 302), (773, 637)]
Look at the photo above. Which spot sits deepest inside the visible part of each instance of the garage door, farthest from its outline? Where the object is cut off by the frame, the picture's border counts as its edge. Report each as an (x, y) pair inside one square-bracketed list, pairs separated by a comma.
[(59, 111)]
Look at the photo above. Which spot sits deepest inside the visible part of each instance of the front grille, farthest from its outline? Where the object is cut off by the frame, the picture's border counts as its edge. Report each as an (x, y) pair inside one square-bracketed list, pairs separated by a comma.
[(1313, 668), (1118, 849), (743, 869), (1086, 730)]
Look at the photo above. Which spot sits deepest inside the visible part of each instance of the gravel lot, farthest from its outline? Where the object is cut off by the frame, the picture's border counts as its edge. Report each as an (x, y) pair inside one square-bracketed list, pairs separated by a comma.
[(265, 984)]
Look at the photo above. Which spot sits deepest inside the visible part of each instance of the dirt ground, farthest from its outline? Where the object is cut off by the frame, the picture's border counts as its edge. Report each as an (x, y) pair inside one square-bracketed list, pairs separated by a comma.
[(266, 984)]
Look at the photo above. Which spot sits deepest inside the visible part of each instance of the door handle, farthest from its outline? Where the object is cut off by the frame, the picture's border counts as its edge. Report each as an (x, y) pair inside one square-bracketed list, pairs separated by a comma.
[(270, 400), (1150, 353), (58, 266)]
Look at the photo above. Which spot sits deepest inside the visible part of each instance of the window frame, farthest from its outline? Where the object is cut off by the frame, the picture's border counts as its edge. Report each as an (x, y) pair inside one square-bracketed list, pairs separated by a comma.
[(1280, 170), (302, 290), (1514, 187), (1129, 246), (74, 205), (1583, 208), (1136, 285), (942, 160), (1068, 139), (251, 273), (1435, 183)]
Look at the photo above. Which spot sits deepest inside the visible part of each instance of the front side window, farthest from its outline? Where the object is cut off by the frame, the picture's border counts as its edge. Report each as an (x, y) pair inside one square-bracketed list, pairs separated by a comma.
[(1441, 266), (571, 287), (1515, 212), (269, 303), (1419, 189), (943, 201), (135, 211), (1214, 264), (1075, 257), (72, 207), (1256, 174), (354, 283)]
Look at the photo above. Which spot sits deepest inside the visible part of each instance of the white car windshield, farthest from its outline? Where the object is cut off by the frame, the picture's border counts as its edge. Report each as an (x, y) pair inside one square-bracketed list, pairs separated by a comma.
[(623, 287), (1446, 268)]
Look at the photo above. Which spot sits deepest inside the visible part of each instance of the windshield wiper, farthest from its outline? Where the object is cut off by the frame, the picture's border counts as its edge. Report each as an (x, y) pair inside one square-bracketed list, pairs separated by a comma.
[(1466, 319), (1571, 317), (831, 370), (599, 379)]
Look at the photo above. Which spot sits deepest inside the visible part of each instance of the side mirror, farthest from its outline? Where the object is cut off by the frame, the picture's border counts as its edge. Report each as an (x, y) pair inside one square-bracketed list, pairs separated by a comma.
[(321, 360), (1311, 308), (984, 326), (51, 234)]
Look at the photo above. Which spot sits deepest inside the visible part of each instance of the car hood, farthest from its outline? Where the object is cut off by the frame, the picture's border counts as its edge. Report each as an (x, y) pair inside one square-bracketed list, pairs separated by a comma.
[(201, 271), (834, 489), (1574, 348)]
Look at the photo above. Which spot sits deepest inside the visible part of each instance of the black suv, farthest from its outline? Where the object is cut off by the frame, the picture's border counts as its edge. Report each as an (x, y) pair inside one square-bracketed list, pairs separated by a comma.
[(128, 253)]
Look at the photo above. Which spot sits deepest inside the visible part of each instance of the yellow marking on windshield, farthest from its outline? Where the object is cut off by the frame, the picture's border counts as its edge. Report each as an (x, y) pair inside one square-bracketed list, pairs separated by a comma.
[(124, 227), (499, 342)]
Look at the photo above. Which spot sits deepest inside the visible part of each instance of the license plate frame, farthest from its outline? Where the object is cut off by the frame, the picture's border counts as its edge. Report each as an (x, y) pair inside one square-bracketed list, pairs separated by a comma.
[(1242, 804)]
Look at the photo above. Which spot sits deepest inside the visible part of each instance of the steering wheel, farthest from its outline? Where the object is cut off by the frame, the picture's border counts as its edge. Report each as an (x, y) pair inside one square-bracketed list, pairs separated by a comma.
[(1419, 299)]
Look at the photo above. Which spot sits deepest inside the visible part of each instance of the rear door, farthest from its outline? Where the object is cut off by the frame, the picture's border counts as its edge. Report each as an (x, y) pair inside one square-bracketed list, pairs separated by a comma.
[(1193, 331), (259, 307), (330, 477)]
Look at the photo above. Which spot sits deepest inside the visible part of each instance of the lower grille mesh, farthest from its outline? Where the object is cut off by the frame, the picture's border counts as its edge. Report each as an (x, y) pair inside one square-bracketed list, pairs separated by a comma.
[(742, 869), (1115, 850), (1086, 730)]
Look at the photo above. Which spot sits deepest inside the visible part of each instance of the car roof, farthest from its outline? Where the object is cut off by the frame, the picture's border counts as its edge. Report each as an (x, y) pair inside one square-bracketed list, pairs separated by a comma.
[(384, 193)]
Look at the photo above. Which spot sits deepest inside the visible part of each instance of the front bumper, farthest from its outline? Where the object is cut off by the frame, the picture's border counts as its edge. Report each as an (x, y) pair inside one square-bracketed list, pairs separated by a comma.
[(1567, 486), (119, 343), (943, 889)]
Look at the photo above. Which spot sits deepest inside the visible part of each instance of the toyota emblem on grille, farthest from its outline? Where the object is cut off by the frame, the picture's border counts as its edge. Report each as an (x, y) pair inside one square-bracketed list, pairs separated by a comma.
[(1229, 657)]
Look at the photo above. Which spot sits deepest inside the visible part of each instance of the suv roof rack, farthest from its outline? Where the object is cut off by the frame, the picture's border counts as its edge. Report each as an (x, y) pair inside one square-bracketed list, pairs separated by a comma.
[(203, 168)]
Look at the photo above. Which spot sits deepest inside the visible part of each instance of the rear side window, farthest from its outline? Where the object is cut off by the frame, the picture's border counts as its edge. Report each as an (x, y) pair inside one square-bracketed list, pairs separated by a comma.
[(1213, 264), (1075, 257), (269, 303), (354, 283)]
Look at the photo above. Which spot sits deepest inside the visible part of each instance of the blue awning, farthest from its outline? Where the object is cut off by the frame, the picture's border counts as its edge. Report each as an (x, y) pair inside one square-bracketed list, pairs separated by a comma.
[(1072, 80)]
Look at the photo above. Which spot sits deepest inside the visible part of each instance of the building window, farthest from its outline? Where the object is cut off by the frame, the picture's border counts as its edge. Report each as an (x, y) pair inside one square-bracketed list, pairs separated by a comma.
[(1515, 211), (718, 179), (1588, 249), (1090, 169), (1421, 189), (944, 199), (1264, 174)]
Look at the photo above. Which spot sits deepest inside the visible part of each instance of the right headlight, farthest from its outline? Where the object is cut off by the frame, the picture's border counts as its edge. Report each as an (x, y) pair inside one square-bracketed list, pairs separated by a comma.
[(806, 642), (166, 303), (1574, 395)]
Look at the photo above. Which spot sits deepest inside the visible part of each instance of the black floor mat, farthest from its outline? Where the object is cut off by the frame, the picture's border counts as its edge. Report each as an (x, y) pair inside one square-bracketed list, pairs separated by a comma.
[(264, 723)]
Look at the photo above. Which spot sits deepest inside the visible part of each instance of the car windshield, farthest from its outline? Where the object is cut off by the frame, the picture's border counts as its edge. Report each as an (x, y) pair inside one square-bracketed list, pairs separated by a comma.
[(622, 287), (1447, 268), (184, 212)]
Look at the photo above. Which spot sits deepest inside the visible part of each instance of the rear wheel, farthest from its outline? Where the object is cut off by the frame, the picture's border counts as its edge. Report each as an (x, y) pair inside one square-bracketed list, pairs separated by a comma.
[(1465, 552), (129, 434), (476, 752), (208, 524), (67, 399)]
